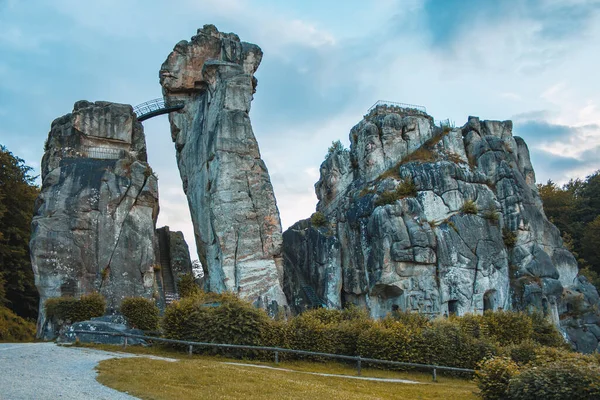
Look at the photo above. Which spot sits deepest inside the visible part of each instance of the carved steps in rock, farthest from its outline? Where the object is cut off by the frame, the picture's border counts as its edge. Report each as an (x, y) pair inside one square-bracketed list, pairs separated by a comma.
[(311, 296), (165, 263)]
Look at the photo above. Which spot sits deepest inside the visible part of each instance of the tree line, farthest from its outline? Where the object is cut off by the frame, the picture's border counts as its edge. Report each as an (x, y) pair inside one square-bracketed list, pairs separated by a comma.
[(575, 209)]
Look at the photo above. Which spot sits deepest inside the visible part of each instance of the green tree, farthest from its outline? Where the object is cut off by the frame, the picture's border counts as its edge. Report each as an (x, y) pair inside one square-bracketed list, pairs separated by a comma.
[(17, 198)]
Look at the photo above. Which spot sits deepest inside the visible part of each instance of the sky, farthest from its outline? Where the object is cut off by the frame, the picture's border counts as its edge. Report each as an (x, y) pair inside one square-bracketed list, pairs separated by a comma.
[(325, 63)]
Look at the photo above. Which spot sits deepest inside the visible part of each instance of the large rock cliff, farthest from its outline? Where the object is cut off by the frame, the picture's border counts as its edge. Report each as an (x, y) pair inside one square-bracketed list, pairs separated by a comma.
[(93, 227), (436, 220), (233, 208)]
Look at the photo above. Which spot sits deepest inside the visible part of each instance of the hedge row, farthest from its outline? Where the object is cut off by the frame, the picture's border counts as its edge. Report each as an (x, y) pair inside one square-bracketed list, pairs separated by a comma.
[(73, 310), (457, 341), (551, 374)]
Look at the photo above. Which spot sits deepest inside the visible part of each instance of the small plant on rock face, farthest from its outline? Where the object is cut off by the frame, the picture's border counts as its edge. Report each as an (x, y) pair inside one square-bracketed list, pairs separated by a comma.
[(509, 237), (492, 214), (469, 207), (406, 188), (318, 219)]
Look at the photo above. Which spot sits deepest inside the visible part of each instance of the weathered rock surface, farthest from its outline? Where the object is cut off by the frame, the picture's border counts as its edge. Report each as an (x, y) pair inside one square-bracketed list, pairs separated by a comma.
[(400, 234), (93, 226), (233, 208)]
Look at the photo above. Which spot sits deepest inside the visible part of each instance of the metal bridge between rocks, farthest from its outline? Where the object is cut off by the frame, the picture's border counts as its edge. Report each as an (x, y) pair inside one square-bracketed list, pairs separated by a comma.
[(156, 107)]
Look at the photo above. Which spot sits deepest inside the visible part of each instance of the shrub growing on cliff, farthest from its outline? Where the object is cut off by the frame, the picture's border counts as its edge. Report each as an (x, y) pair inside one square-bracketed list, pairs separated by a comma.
[(469, 207), (406, 188), (141, 313), (318, 219), (509, 237), (14, 328), (74, 310)]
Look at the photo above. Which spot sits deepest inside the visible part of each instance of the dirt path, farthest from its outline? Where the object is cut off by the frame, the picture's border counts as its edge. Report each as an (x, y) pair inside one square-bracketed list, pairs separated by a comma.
[(47, 371)]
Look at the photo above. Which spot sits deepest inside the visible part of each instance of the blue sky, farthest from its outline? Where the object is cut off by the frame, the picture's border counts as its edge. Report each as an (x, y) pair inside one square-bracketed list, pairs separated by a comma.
[(325, 63)]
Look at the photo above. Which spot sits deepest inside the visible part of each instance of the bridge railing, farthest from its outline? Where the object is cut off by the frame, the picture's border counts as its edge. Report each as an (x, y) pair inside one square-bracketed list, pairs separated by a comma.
[(154, 106), (276, 350), (386, 103)]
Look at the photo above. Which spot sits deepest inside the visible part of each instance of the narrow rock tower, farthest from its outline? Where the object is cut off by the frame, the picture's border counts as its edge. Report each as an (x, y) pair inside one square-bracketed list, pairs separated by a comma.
[(94, 221), (233, 207)]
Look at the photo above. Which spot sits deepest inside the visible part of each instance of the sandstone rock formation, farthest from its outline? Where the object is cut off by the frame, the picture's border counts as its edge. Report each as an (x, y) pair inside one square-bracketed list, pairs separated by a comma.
[(93, 227), (233, 208), (436, 220)]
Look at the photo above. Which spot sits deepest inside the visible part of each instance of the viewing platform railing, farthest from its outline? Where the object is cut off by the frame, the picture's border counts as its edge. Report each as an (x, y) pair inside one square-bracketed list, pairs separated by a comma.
[(386, 103)]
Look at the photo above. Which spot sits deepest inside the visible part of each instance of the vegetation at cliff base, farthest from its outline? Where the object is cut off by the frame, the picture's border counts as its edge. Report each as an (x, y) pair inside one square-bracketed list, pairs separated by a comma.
[(14, 328), (17, 198), (575, 209), (140, 313), (74, 310)]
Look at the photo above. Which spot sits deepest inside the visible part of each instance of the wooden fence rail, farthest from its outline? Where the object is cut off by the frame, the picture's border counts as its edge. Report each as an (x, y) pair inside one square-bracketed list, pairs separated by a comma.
[(276, 350)]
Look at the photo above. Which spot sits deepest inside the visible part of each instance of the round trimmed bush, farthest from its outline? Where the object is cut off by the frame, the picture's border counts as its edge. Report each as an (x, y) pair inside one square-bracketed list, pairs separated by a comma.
[(493, 377), (141, 313)]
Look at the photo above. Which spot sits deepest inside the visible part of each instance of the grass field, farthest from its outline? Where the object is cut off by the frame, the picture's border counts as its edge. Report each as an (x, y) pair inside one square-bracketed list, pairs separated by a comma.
[(203, 377)]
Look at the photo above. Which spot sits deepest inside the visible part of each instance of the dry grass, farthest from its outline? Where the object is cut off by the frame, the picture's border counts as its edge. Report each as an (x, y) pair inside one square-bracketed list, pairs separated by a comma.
[(200, 377)]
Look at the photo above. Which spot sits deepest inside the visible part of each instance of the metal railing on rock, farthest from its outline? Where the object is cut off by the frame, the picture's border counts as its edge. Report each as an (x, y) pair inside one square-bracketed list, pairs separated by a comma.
[(276, 350), (385, 103)]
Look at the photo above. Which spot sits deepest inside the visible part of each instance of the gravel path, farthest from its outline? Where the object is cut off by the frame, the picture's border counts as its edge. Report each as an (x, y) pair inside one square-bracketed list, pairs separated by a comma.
[(47, 371)]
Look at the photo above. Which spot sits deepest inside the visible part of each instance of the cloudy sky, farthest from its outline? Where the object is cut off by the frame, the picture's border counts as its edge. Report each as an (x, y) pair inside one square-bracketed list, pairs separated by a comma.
[(325, 63)]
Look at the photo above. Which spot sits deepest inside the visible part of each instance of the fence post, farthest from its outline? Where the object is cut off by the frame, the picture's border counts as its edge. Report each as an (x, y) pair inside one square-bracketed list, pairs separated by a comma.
[(434, 373), (358, 366), (276, 357), (190, 348)]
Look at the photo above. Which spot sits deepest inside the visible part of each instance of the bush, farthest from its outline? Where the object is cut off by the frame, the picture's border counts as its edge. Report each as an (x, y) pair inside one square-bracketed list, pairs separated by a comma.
[(187, 286), (74, 310), (469, 207), (391, 341), (545, 333), (318, 219), (446, 343), (493, 377), (507, 327), (509, 237), (491, 214), (522, 353), (14, 328), (141, 313), (216, 318), (406, 188), (560, 380)]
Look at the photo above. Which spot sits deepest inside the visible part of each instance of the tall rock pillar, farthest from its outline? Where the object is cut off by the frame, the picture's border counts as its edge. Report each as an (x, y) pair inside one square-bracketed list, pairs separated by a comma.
[(93, 226), (233, 207)]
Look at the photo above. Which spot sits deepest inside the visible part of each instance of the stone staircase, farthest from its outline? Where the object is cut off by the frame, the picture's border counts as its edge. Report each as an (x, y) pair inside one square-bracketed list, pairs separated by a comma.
[(311, 296), (168, 281)]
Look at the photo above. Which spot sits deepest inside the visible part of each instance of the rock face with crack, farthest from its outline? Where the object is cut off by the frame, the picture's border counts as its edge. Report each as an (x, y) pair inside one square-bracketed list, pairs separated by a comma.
[(233, 208), (93, 226), (435, 220)]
